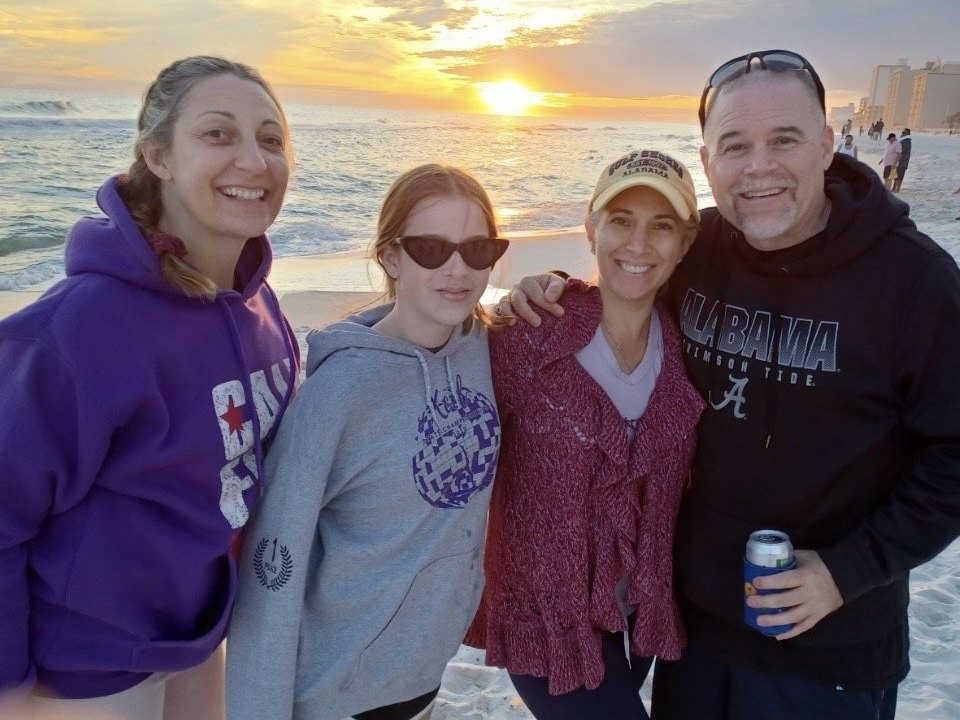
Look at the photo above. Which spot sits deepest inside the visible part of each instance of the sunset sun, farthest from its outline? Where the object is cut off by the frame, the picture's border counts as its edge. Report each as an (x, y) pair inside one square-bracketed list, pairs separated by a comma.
[(508, 97)]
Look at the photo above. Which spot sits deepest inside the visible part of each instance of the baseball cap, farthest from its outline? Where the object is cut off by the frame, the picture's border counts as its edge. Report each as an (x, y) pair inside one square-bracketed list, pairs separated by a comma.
[(648, 168)]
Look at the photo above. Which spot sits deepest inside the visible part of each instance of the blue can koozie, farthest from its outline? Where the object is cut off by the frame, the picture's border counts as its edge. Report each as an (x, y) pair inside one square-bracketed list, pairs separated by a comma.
[(768, 552)]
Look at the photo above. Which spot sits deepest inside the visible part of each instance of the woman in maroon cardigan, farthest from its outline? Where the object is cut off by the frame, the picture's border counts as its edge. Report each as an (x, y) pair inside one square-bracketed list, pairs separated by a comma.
[(599, 427)]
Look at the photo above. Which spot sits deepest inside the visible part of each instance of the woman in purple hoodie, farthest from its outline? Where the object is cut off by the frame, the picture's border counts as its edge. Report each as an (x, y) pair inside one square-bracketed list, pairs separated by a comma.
[(137, 394)]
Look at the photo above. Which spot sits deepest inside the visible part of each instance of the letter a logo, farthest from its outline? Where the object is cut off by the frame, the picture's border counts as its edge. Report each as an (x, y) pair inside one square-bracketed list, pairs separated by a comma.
[(733, 395)]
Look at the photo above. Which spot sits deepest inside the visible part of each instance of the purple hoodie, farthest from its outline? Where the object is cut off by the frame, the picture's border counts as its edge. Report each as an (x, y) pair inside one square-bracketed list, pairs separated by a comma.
[(130, 454)]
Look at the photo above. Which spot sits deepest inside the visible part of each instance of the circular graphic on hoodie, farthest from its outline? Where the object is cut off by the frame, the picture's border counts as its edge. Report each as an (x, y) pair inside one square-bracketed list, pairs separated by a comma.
[(458, 439)]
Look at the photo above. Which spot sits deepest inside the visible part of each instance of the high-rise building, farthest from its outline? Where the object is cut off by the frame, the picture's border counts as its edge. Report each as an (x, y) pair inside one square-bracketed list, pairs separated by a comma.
[(880, 82), (936, 96), (896, 109)]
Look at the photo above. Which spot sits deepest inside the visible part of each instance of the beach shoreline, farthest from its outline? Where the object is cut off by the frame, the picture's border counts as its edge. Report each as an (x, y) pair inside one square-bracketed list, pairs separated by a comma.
[(315, 290)]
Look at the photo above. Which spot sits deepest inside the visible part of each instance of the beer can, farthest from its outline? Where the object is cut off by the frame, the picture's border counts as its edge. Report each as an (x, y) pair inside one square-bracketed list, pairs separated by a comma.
[(768, 552)]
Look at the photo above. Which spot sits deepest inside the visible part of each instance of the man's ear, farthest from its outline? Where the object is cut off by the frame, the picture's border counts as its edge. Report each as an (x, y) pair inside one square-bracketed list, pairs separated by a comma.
[(156, 159), (826, 144), (705, 160)]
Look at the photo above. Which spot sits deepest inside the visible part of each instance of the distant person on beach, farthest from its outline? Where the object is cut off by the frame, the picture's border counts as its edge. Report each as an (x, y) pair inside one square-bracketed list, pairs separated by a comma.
[(822, 327), (363, 566), (906, 146), (890, 160), (137, 395), (599, 429), (848, 148)]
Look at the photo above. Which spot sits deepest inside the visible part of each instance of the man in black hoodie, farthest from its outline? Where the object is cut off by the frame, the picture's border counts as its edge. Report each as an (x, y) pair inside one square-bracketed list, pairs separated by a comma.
[(824, 330)]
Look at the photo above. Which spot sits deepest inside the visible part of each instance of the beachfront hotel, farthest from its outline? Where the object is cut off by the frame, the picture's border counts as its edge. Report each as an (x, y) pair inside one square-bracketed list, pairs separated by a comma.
[(921, 99)]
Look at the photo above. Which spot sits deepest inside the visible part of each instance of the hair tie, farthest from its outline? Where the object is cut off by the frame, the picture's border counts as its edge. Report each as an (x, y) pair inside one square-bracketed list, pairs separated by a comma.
[(161, 242)]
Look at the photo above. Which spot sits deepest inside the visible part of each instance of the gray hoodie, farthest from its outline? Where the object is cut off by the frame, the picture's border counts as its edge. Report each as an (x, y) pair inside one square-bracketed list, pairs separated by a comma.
[(362, 566)]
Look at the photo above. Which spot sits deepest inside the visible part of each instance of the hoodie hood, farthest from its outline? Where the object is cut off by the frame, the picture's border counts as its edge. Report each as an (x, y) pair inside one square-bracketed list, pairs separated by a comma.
[(356, 332), (114, 246)]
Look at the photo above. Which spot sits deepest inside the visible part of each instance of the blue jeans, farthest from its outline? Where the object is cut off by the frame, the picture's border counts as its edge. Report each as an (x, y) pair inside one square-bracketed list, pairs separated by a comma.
[(700, 686), (618, 696)]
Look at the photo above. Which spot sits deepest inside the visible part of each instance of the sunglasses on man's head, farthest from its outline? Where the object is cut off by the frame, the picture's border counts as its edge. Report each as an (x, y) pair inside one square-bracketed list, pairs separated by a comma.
[(431, 252), (772, 60)]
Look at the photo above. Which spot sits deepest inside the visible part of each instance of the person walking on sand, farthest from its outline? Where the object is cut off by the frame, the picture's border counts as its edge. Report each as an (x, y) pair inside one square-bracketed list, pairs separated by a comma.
[(848, 148), (858, 424), (138, 394), (599, 427), (363, 565), (906, 146), (890, 160)]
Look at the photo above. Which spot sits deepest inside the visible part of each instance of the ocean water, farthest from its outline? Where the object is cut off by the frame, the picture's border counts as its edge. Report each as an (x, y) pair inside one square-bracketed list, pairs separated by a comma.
[(56, 150)]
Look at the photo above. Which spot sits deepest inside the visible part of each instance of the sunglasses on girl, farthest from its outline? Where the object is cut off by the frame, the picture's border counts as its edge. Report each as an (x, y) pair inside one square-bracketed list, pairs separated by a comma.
[(772, 60), (431, 252)]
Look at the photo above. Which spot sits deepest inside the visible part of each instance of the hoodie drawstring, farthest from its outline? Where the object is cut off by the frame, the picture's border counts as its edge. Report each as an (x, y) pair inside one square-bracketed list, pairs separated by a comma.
[(428, 389), (450, 383)]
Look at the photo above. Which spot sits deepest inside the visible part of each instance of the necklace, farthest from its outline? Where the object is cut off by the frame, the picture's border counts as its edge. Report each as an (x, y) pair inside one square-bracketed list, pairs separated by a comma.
[(625, 367)]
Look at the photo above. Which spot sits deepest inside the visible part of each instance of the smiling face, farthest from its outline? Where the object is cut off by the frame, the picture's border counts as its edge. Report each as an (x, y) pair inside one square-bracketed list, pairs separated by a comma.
[(431, 303), (638, 240), (224, 175), (765, 154)]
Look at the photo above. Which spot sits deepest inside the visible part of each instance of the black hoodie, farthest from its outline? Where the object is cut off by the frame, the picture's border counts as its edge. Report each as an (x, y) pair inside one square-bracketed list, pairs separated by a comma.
[(831, 370)]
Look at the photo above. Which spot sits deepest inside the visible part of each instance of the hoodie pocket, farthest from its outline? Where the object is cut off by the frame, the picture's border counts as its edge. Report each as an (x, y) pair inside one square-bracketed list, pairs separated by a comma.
[(173, 655), (429, 625)]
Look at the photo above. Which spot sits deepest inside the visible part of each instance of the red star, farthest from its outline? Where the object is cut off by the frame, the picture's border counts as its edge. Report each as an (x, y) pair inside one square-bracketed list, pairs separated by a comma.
[(233, 417)]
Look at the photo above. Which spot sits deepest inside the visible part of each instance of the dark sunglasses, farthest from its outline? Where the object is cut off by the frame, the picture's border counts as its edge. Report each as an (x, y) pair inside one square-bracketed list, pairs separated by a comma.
[(431, 252), (772, 60)]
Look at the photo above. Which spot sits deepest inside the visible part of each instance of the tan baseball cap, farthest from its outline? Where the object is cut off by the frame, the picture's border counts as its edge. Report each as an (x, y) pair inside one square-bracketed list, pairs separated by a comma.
[(650, 168)]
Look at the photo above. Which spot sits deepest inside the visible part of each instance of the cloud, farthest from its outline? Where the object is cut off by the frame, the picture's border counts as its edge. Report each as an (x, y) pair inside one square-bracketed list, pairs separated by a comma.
[(425, 15), (131, 40), (596, 53), (671, 47)]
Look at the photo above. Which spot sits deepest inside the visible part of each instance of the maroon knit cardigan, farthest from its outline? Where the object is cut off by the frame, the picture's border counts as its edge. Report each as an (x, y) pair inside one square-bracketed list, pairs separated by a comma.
[(574, 508)]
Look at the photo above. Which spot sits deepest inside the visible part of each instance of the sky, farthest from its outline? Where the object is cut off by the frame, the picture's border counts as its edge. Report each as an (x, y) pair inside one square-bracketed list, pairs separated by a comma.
[(578, 58)]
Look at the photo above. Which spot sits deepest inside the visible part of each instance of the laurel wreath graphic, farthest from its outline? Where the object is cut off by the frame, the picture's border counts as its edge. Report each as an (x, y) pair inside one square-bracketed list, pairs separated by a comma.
[(286, 566)]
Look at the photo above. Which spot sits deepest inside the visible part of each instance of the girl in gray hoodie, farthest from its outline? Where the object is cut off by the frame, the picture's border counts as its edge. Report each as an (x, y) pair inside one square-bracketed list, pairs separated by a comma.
[(362, 567)]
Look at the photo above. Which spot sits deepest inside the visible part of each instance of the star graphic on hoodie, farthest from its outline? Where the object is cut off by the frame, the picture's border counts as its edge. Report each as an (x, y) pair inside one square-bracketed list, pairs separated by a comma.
[(233, 417)]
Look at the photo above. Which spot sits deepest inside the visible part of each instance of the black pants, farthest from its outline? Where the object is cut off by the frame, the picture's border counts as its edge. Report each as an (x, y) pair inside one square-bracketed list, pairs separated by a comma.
[(617, 697), (401, 710), (699, 686)]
